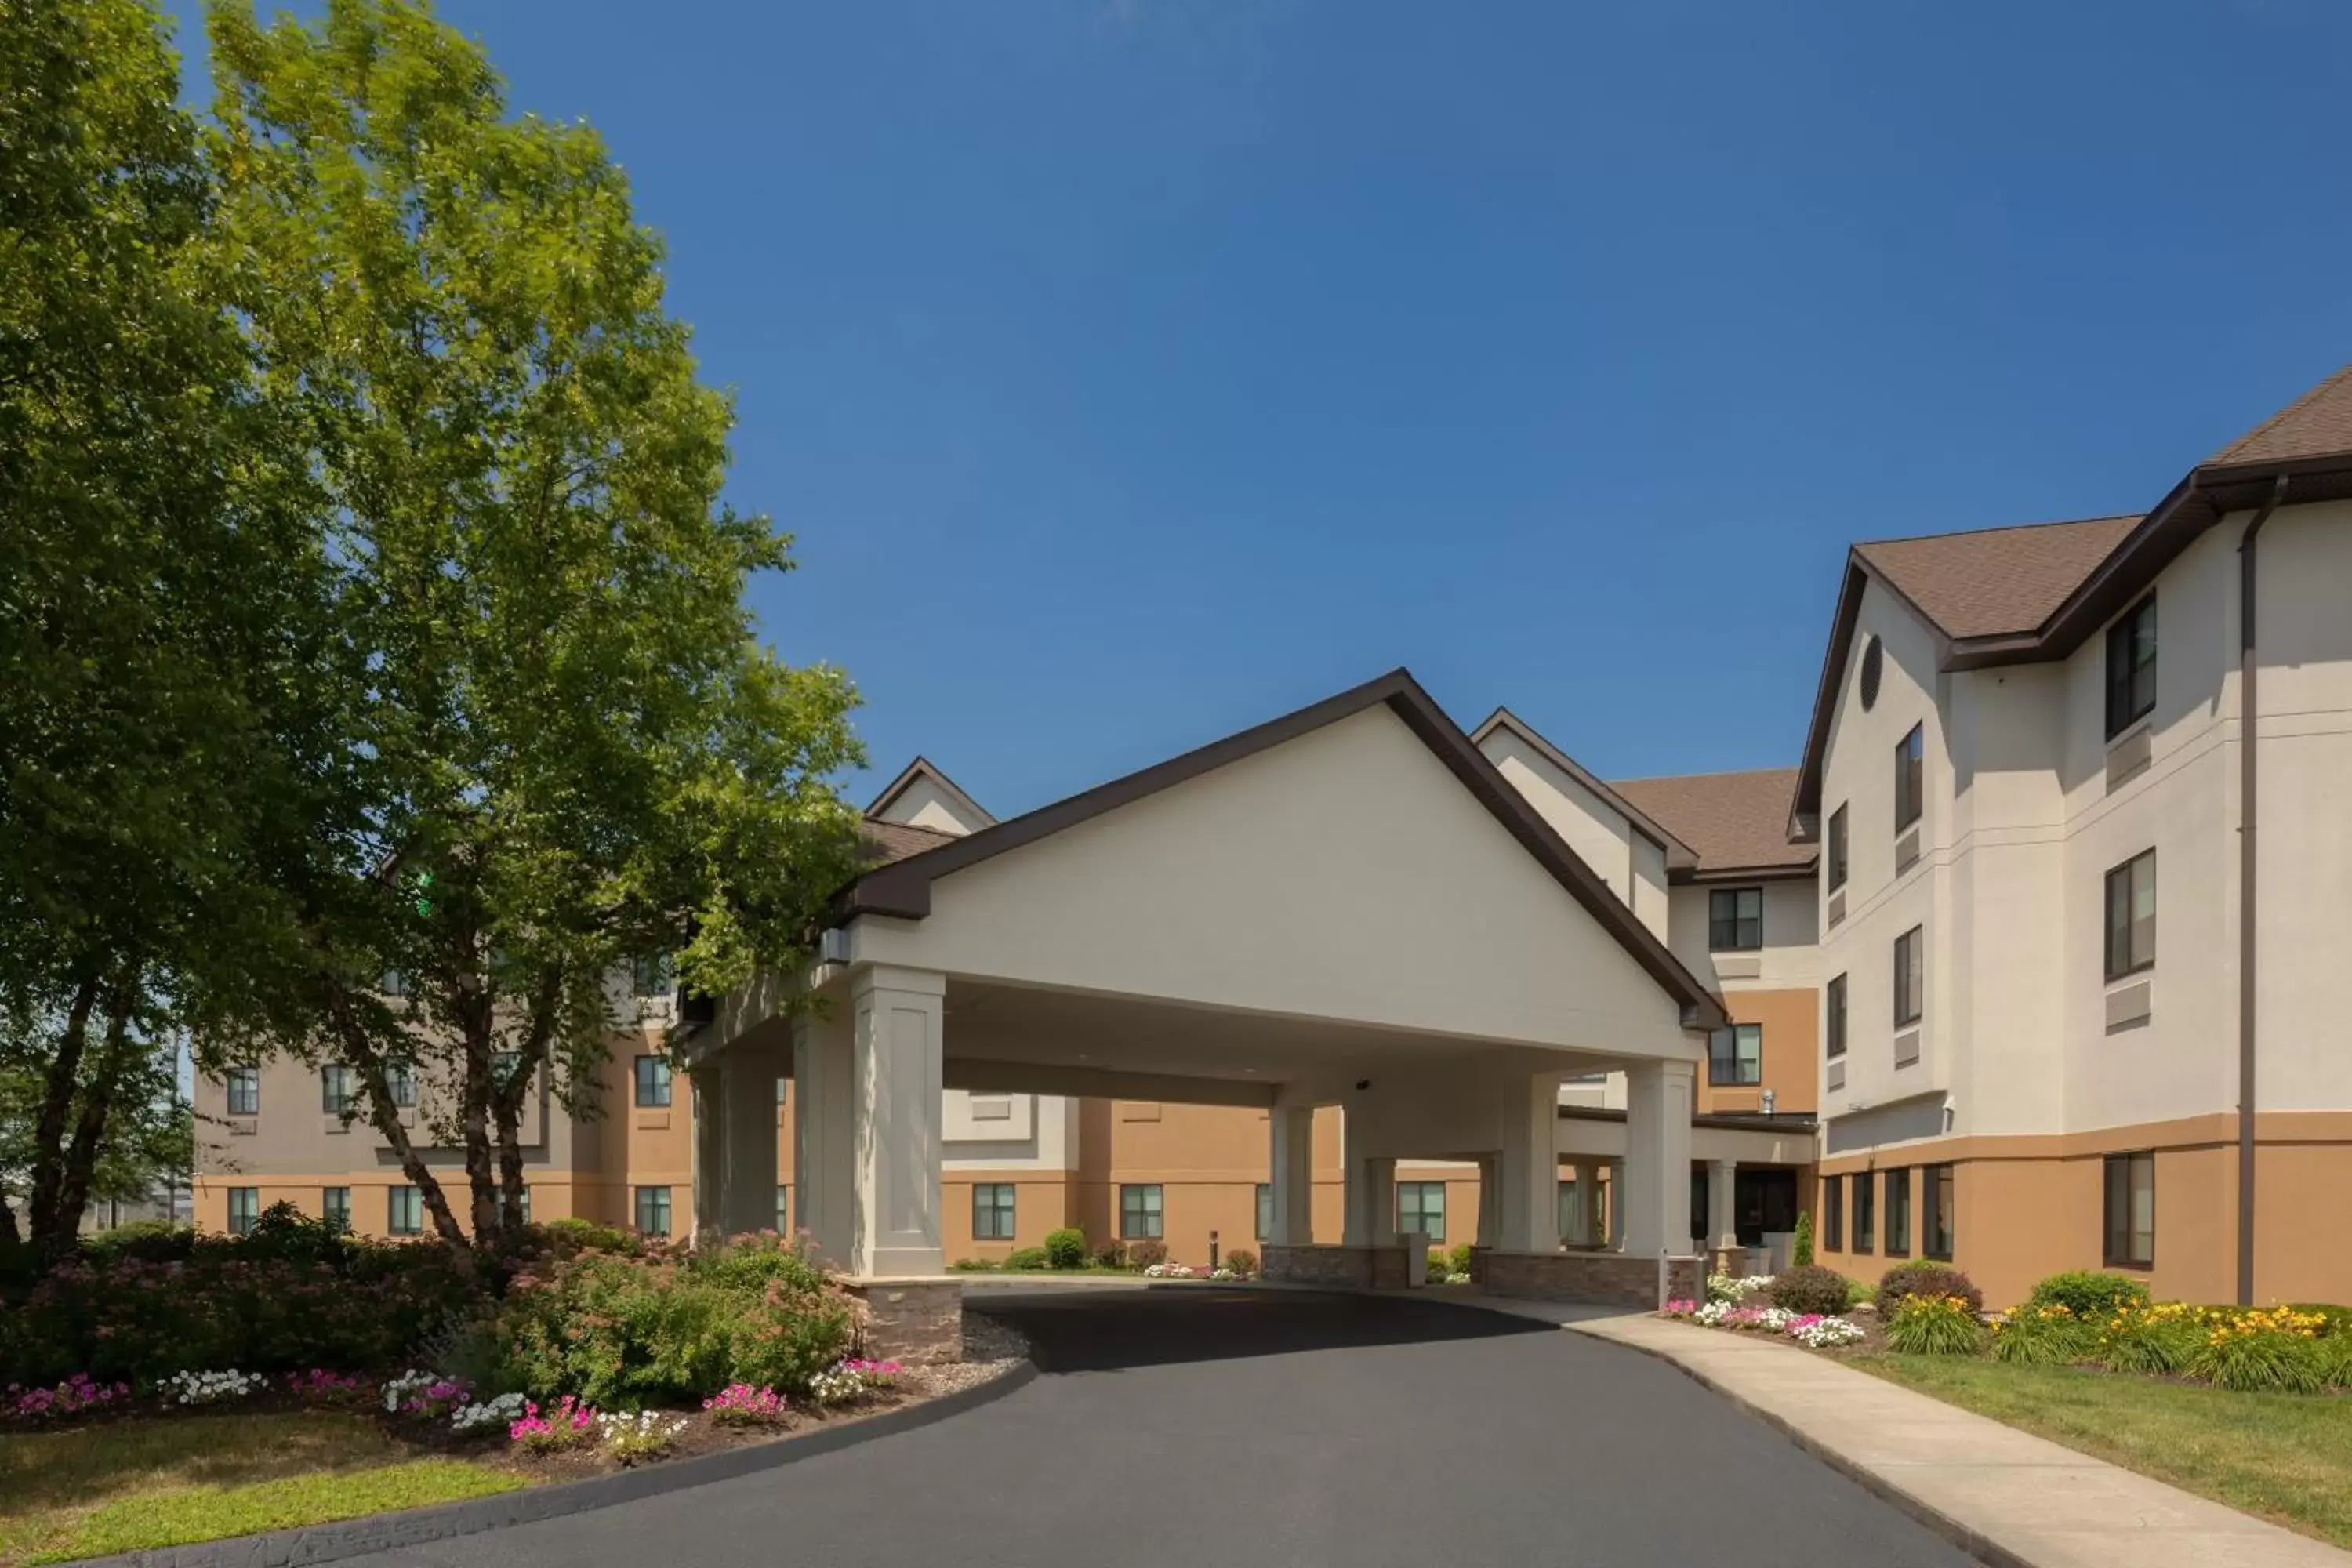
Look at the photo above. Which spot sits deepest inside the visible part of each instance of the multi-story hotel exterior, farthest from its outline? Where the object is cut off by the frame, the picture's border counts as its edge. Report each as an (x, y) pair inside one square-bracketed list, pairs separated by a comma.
[(1949, 1027)]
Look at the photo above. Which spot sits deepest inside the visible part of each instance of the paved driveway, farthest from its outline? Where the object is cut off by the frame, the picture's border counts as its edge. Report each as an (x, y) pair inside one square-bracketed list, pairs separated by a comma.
[(1189, 1427)]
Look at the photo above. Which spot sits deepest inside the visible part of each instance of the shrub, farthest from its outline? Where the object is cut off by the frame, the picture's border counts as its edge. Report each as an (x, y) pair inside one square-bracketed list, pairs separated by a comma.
[(1438, 1268), (1144, 1254), (576, 1235), (2332, 1354), (1918, 1277), (1457, 1259), (1858, 1294), (2089, 1295), (1934, 1325), (2160, 1339), (1803, 1255), (2042, 1336), (1111, 1254), (973, 1266), (1066, 1247), (1809, 1289), (1243, 1262), (2253, 1355), (1028, 1259)]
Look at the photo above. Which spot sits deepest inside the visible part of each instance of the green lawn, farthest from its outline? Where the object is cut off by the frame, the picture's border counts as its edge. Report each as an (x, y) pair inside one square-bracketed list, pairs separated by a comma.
[(120, 1487), (2286, 1457)]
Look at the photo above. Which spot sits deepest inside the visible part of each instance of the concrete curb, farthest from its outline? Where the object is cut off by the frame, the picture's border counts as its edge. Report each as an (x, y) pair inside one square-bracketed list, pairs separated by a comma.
[(390, 1531)]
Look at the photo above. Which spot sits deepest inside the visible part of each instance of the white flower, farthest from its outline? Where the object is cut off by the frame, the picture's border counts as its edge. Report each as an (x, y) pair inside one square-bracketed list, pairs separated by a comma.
[(505, 1410), (1827, 1332), (1169, 1271), (211, 1387)]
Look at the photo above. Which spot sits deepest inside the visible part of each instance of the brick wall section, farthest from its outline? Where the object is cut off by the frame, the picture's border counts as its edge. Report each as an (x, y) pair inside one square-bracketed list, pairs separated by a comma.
[(1341, 1267), (1603, 1278), (919, 1321)]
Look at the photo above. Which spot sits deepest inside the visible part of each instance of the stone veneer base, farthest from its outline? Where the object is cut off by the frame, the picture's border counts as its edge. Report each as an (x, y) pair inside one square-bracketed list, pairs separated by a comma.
[(919, 1320), (1603, 1278), (1343, 1267)]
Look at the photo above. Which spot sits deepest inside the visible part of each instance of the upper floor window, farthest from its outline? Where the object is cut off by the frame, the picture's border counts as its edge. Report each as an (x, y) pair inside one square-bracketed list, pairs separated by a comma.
[(1735, 1054), (1833, 1025), (502, 1069), (244, 1092), (1910, 777), (334, 1088), (1836, 855), (400, 1081), (2131, 916), (650, 978), (1910, 980), (653, 1081), (1734, 920), (2131, 667)]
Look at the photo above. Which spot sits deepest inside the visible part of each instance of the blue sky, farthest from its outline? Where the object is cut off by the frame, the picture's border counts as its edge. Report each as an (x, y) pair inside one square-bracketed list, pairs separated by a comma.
[(1131, 372)]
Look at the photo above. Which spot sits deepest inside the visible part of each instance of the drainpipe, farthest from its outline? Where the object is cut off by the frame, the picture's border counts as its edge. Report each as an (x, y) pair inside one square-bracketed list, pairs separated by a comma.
[(2247, 778)]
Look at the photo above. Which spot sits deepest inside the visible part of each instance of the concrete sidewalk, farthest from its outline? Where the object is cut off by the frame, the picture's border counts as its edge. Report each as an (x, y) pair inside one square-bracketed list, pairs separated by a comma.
[(2006, 1496)]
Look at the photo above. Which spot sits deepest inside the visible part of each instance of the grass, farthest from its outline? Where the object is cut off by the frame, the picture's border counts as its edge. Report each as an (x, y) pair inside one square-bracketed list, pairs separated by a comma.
[(2286, 1457), (125, 1486)]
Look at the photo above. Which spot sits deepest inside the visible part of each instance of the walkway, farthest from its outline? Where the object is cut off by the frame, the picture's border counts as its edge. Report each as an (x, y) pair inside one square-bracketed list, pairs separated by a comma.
[(1186, 1426)]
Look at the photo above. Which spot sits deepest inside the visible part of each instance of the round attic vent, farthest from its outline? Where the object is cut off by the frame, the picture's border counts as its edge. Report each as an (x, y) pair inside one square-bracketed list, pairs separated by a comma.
[(1873, 662)]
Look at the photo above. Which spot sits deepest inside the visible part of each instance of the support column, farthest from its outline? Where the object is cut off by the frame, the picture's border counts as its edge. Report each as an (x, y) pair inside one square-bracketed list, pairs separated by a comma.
[(1658, 1095), (823, 1132), (895, 1046), (1490, 1200), (1371, 1202), (1529, 1165), (747, 1143), (1722, 1209), (1617, 1203), (706, 1097), (1585, 1222), (1291, 1162)]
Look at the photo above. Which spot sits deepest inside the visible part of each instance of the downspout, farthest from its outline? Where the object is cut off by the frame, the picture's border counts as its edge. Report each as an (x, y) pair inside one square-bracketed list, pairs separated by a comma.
[(2247, 778)]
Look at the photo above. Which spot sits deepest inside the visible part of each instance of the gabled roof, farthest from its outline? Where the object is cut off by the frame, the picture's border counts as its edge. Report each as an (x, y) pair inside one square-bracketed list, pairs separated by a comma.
[(921, 770), (1737, 823), (903, 889), (2301, 453), (1677, 851)]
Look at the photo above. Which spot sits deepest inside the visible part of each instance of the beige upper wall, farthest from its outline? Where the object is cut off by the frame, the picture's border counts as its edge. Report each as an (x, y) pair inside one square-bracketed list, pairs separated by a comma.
[(1633, 865), (922, 804)]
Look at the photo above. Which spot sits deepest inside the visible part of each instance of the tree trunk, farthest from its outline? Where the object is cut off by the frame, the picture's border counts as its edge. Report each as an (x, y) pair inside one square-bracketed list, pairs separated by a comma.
[(384, 1116), (98, 1105), (56, 1107), (506, 1097), (474, 1097)]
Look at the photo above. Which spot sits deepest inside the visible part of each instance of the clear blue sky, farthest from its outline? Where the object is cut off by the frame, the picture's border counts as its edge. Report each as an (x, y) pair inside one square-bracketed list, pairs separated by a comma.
[(1132, 371)]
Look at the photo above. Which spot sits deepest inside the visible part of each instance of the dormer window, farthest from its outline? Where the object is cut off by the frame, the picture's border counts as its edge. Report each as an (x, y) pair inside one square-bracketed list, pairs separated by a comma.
[(2131, 667)]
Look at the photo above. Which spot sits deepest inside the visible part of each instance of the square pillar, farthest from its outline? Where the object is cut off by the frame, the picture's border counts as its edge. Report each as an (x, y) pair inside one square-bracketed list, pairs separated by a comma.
[(1291, 1162), (1490, 1200), (747, 1142), (1658, 1095), (1722, 1208), (1584, 1221), (1371, 1202), (896, 1037), (1529, 1165), (822, 1129), (1616, 1216), (707, 1096)]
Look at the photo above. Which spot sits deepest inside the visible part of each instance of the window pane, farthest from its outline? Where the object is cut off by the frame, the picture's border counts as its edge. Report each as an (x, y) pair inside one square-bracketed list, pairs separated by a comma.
[(784, 1209), (2143, 911), (1264, 1210), (1751, 1053), (2143, 1209), (399, 1079), (1833, 1213), (1836, 1023), (1837, 849)]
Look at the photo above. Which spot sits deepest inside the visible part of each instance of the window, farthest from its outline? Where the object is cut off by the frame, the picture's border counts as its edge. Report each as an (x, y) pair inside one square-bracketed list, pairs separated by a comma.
[(1837, 849), (1139, 1218), (404, 1211), (992, 1211), (394, 985), (400, 1079), (244, 1092), (1264, 1210), (653, 1081), (2131, 667), (1936, 1206), (335, 1207), (1910, 777), (334, 1088), (502, 1068), (1735, 1054), (1832, 1238), (1421, 1205), (649, 977), (783, 1208), (1898, 1214), (1834, 1023), (2131, 916), (653, 1211), (1734, 920), (244, 1209), (2130, 1210), (1865, 1196), (522, 1203), (1908, 981)]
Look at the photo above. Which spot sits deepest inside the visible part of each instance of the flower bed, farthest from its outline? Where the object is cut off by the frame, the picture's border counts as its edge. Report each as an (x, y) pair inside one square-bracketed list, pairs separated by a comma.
[(1814, 1331)]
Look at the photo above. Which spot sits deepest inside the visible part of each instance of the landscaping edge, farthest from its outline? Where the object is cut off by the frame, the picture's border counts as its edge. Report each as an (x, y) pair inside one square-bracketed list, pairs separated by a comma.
[(388, 1531)]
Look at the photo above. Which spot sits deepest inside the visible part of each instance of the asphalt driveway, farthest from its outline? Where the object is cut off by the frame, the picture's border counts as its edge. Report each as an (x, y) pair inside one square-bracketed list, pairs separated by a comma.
[(1184, 1427)]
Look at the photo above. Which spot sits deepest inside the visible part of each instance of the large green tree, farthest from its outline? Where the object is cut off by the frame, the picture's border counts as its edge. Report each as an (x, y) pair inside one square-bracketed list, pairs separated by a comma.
[(569, 751), (156, 598)]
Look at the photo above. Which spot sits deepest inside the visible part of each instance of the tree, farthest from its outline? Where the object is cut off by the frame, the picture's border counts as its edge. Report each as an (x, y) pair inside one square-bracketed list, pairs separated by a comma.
[(152, 596), (569, 752)]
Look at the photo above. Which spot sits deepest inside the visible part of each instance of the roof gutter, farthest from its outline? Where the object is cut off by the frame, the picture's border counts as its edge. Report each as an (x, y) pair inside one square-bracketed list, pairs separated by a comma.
[(2249, 755)]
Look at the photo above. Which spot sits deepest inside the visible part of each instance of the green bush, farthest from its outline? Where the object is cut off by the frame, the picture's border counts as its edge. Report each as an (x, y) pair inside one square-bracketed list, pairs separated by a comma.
[(1243, 1262), (1144, 1254), (2160, 1340), (572, 1235), (1934, 1325), (2089, 1295), (1857, 1293), (1457, 1260), (2259, 1361), (621, 1331), (1066, 1247), (1803, 1255), (1920, 1277), (2042, 1336), (1029, 1260), (973, 1266), (1811, 1289), (1111, 1254), (2335, 1323), (1438, 1268), (2332, 1355)]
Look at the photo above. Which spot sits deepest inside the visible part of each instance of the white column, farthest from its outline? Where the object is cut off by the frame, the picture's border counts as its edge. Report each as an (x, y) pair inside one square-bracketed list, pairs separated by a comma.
[(1584, 1221), (1617, 1203), (896, 1043), (1723, 1213), (822, 1129), (747, 1143), (707, 1098), (1490, 1199), (1658, 1097), (1528, 1166), (1371, 1202), (1291, 1164)]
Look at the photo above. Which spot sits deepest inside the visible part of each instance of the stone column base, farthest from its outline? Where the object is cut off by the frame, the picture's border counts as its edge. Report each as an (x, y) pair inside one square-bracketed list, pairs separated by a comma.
[(1603, 1278), (917, 1319), (1348, 1267), (1732, 1261)]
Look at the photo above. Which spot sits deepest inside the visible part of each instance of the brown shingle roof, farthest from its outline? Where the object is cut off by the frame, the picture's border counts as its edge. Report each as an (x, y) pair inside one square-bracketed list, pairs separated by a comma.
[(888, 843), (1996, 580), (2317, 425), (1734, 821)]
